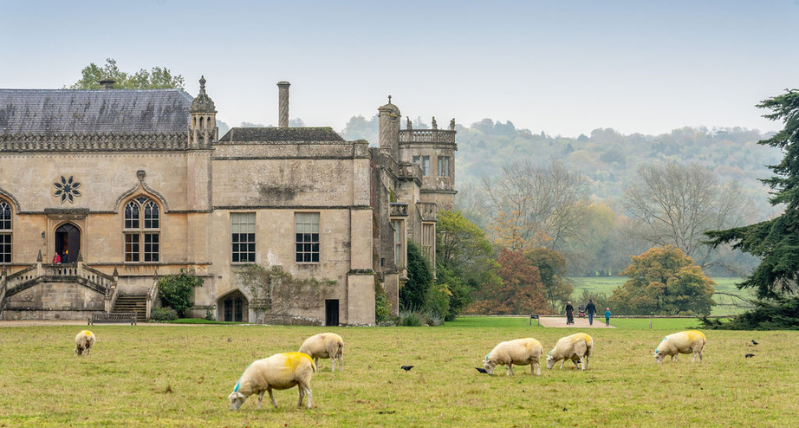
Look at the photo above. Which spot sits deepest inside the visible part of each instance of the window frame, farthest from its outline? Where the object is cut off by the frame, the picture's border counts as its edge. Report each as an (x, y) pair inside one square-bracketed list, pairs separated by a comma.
[(6, 232), (443, 166), (141, 230), (305, 247), (235, 237)]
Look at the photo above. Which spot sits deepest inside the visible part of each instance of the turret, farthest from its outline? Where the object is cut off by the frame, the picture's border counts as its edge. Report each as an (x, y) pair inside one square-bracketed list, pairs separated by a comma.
[(203, 132)]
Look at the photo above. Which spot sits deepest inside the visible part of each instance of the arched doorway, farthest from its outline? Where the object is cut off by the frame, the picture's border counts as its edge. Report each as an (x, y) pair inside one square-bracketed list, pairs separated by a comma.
[(67, 242), (233, 307)]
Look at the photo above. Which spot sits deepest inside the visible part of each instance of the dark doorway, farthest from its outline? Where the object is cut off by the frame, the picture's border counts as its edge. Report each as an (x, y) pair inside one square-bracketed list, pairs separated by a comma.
[(67, 242), (234, 307), (331, 312)]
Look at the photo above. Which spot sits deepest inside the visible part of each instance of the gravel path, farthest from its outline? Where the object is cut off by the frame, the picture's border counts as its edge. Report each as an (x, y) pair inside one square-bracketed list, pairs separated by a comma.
[(578, 322)]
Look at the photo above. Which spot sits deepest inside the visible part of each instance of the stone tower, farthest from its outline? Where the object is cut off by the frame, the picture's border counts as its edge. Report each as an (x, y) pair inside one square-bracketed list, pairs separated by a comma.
[(434, 151), (203, 131)]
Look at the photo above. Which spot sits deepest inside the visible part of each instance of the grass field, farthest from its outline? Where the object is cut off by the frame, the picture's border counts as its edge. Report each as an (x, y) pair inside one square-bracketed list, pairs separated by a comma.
[(180, 376), (726, 305)]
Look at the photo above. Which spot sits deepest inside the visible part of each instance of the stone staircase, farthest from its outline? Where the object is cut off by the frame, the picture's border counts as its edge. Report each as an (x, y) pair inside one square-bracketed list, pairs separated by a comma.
[(131, 303)]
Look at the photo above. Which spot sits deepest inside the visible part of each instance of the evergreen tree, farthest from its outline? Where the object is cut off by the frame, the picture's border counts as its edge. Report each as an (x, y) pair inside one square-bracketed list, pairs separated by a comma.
[(775, 241)]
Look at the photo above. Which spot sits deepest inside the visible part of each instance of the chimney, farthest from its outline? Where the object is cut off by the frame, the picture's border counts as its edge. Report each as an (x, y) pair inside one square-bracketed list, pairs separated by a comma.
[(283, 104), (107, 84)]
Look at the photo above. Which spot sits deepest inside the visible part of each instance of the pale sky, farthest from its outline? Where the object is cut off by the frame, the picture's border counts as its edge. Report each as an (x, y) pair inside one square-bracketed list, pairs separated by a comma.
[(564, 67)]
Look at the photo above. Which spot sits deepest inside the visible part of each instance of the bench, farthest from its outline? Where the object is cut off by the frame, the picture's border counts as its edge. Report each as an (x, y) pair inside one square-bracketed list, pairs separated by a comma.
[(531, 320), (113, 318)]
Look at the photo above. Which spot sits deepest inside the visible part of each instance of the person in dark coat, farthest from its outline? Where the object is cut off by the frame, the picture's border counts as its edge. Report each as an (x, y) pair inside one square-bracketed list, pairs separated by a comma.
[(569, 313), (590, 308)]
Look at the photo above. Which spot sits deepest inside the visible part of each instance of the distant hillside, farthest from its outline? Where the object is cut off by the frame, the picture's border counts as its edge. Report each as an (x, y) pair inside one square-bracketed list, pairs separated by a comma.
[(608, 158)]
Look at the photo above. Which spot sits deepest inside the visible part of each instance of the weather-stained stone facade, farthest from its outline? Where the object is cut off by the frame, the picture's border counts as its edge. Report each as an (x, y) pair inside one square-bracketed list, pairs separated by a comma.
[(127, 186)]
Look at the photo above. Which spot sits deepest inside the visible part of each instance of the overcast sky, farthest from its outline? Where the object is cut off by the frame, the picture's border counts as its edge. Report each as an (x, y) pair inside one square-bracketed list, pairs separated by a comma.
[(564, 67)]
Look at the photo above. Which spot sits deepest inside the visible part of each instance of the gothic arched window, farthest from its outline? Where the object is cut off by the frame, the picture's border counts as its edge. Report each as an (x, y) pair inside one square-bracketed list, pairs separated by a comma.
[(5, 232), (142, 230)]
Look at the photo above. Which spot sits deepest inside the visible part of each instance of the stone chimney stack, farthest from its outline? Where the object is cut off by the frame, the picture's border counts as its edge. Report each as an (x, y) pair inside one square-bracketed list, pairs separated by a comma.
[(107, 84), (283, 104)]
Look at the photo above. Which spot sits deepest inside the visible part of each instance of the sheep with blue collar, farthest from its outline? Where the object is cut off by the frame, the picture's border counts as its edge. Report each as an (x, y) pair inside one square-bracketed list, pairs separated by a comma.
[(280, 371)]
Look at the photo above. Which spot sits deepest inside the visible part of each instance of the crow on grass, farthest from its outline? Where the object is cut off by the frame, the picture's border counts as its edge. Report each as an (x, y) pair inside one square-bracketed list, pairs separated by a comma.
[(749, 355), (406, 368), (481, 370), (753, 342)]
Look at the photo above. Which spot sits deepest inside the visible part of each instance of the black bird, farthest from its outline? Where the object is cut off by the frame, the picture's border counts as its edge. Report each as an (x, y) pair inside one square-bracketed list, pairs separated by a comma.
[(753, 342), (749, 355), (481, 370), (406, 368)]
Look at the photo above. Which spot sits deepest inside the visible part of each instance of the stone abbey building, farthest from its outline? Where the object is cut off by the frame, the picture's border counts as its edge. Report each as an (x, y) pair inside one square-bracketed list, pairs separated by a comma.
[(127, 186)]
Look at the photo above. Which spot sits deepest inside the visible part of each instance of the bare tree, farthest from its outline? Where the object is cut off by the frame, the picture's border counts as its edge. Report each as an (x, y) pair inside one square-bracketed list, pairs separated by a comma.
[(537, 205), (675, 205)]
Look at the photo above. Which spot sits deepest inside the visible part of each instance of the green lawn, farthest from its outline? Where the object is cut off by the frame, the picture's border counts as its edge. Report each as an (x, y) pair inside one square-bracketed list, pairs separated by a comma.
[(725, 304), (180, 376)]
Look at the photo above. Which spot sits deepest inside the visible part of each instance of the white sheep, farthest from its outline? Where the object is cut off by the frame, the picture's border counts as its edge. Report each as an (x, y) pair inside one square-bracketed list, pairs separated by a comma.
[(577, 347), (684, 342), (520, 352), (280, 371), (325, 345), (84, 342)]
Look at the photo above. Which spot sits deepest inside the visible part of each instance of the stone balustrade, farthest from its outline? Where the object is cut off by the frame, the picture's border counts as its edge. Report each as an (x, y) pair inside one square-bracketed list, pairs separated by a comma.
[(427, 136), (101, 141), (399, 209)]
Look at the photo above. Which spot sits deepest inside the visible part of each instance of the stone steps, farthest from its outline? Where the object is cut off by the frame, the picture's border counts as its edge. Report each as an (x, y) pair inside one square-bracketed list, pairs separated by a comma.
[(130, 303)]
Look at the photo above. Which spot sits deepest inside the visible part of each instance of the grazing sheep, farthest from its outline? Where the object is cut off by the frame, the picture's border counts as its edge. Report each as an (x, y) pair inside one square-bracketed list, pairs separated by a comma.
[(684, 342), (280, 371), (577, 347), (84, 342), (325, 345), (520, 352)]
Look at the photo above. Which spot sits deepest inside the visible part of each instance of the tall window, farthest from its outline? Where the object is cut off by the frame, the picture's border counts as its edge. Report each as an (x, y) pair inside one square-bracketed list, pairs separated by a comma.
[(429, 240), (306, 232), (242, 230), (5, 232), (443, 166), (398, 241), (424, 163), (142, 230)]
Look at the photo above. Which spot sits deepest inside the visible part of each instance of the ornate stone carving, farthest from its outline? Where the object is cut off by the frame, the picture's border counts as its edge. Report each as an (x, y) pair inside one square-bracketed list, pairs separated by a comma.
[(67, 189)]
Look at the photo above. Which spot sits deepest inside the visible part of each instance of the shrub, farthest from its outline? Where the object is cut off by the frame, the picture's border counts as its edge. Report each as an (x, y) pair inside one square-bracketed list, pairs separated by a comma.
[(175, 290), (163, 315), (409, 319)]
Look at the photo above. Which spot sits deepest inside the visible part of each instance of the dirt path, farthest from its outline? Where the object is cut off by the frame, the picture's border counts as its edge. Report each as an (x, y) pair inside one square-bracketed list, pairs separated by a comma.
[(578, 322)]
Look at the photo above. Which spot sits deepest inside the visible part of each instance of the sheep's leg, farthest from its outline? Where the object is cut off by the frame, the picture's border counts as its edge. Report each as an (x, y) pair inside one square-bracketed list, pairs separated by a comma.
[(272, 398), (509, 372), (261, 397), (333, 363), (537, 368), (308, 392), (302, 393), (561, 363), (576, 363), (316, 362), (586, 362)]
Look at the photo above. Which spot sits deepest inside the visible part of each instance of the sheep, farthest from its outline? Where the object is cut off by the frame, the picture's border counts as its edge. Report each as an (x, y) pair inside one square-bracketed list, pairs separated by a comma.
[(84, 342), (280, 371), (325, 345), (577, 347), (684, 342), (520, 352)]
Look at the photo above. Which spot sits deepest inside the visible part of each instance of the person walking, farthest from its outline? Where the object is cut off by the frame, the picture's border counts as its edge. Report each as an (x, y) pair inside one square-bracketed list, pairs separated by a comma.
[(590, 308), (569, 313), (607, 317)]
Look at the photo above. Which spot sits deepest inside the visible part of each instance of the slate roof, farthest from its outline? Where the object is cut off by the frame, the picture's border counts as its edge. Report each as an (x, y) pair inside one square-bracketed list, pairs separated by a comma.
[(49, 111), (265, 135)]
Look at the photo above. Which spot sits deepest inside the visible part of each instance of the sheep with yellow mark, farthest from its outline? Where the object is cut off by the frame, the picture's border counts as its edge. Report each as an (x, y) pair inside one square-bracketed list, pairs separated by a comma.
[(520, 352), (84, 342), (684, 342), (325, 345), (577, 348), (280, 371)]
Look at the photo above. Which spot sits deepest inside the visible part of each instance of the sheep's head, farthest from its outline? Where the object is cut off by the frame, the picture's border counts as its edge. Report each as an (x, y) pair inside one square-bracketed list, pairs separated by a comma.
[(236, 400), (489, 366), (659, 357), (550, 361)]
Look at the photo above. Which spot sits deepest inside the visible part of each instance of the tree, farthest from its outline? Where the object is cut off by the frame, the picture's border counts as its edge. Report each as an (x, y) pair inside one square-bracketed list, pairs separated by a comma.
[(663, 281), (413, 295), (775, 241), (156, 78), (552, 269), (519, 292), (463, 257), (537, 206), (675, 205), (175, 291)]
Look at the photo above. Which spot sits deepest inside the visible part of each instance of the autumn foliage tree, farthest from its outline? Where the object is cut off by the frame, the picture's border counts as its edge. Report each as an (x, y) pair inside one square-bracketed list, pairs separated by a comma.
[(519, 292), (663, 281)]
